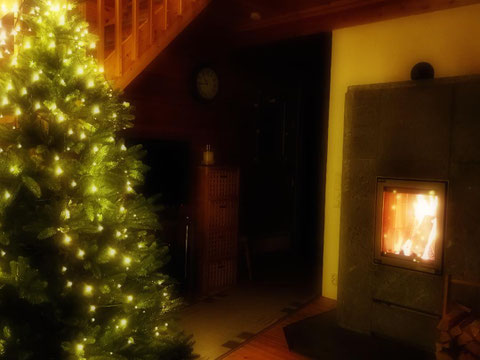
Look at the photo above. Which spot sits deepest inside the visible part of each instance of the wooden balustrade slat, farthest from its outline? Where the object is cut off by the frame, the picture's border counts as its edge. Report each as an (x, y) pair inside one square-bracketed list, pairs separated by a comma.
[(150, 22), (135, 16), (118, 37), (101, 31), (167, 6)]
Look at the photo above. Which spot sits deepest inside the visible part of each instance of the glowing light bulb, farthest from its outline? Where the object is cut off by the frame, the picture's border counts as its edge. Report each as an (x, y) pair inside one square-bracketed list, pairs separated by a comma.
[(93, 308), (64, 269), (79, 348), (58, 171), (129, 298), (123, 322), (18, 111), (69, 284), (83, 136), (127, 261), (52, 45), (123, 147), (94, 189), (96, 109), (80, 70), (7, 195), (61, 118), (37, 105), (27, 45), (95, 149), (112, 252), (66, 213), (118, 234), (9, 86), (35, 77), (80, 253), (4, 100), (67, 240), (93, 45), (100, 228), (61, 20), (90, 84), (130, 340), (101, 69), (88, 289), (73, 183), (23, 91), (122, 209)]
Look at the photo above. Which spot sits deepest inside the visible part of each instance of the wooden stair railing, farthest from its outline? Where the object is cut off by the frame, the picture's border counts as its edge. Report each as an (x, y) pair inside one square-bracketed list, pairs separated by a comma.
[(133, 32)]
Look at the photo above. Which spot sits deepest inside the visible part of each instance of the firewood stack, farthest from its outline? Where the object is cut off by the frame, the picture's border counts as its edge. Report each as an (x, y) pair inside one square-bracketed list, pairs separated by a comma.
[(459, 335)]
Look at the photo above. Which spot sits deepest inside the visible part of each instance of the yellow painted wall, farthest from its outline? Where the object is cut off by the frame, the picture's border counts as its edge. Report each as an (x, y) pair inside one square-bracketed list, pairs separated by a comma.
[(384, 52)]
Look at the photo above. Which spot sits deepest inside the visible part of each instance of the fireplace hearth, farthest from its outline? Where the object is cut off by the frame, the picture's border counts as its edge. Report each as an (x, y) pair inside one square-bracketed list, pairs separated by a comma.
[(410, 224)]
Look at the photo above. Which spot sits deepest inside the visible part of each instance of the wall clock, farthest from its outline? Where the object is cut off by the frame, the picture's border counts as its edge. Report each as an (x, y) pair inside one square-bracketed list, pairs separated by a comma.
[(206, 84)]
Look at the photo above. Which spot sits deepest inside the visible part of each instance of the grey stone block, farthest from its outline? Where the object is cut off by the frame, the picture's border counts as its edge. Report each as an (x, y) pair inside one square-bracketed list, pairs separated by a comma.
[(409, 288), (466, 127), (404, 325)]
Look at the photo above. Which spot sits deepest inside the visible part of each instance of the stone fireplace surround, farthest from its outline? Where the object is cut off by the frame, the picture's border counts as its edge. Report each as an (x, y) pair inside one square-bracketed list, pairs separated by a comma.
[(425, 130)]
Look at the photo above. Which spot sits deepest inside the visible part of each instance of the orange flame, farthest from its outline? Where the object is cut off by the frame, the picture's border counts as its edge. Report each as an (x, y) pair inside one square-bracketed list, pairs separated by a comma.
[(410, 224)]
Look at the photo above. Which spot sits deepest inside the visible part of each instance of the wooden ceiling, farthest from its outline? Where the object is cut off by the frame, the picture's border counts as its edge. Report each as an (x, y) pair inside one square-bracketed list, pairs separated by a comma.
[(277, 19)]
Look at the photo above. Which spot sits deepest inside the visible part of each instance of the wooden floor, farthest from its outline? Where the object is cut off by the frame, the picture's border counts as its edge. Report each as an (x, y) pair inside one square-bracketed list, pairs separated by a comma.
[(270, 344)]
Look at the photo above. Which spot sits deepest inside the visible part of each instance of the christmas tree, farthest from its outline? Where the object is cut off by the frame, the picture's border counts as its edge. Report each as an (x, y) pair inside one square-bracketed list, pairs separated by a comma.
[(80, 260)]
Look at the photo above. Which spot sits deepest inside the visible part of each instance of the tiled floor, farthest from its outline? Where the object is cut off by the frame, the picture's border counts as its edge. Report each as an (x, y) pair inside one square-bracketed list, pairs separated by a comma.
[(222, 323)]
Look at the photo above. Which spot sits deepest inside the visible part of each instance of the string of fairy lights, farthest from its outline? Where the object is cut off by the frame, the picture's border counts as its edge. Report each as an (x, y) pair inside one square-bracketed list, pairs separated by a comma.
[(16, 100)]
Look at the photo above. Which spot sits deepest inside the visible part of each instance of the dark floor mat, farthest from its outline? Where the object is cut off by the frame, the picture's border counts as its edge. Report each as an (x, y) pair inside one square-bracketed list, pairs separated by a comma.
[(319, 337)]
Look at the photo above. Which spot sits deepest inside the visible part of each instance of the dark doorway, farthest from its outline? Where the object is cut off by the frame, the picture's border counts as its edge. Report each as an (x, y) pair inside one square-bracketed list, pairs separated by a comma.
[(283, 156)]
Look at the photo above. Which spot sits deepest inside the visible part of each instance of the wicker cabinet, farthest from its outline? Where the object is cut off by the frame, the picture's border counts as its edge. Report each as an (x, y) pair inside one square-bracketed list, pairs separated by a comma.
[(216, 235)]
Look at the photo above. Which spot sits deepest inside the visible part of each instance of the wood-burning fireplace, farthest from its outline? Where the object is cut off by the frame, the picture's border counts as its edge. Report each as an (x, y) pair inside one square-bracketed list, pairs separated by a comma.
[(414, 130), (410, 224)]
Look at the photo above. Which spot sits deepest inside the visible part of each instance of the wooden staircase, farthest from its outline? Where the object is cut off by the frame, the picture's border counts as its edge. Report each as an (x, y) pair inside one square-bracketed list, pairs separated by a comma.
[(133, 32)]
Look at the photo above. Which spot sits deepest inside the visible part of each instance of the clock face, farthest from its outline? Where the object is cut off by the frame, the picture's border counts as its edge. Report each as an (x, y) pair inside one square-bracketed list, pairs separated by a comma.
[(207, 83)]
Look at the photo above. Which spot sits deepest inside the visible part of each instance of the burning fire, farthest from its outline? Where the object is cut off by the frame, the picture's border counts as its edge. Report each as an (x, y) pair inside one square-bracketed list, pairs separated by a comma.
[(410, 224)]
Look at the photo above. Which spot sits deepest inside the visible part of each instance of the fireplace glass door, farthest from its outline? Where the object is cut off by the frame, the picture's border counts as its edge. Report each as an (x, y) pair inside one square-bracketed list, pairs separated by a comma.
[(410, 224)]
